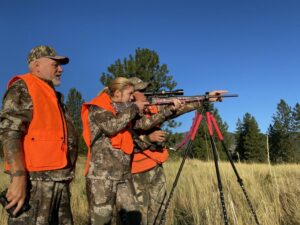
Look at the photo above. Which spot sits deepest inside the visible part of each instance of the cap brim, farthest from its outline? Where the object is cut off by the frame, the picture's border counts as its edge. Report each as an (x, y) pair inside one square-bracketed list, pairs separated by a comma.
[(141, 86), (62, 59)]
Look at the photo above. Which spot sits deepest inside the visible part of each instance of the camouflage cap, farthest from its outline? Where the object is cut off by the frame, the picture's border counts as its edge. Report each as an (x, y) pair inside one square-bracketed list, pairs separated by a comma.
[(45, 51), (138, 83)]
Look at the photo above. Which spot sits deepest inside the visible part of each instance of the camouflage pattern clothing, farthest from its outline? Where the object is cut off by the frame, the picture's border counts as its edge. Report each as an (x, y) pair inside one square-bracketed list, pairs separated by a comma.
[(15, 117), (150, 186), (108, 162), (49, 202), (108, 181)]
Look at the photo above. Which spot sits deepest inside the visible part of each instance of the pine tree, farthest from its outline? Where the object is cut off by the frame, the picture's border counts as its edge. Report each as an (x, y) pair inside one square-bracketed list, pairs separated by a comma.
[(238, 140), (296, 118), (296, 131), (144, 64), (250, 142), (280, 133), (73, 103)]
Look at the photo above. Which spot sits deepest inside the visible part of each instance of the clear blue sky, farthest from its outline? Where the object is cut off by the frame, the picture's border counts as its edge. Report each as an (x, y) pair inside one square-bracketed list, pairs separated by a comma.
[(251, 48)]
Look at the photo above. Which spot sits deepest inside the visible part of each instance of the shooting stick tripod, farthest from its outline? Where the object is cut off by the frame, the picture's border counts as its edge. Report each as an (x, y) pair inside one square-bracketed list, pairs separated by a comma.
[(211, 123)]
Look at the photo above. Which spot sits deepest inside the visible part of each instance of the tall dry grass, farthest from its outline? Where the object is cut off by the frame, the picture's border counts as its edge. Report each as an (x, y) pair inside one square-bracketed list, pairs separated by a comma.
[(273, 190)]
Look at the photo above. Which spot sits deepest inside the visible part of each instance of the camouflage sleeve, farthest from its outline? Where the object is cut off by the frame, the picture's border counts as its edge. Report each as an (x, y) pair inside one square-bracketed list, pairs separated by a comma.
[(147, 123), (188, 107), (15, 117), (109, 123)]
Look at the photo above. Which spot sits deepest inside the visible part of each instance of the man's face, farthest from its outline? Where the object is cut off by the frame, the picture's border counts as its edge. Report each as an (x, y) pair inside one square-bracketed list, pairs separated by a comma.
[(50, 69), (139, 96), (125, 95)]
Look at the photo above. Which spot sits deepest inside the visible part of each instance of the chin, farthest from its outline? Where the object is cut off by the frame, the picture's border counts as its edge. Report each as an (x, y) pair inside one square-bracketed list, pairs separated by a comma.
[(56, 83)]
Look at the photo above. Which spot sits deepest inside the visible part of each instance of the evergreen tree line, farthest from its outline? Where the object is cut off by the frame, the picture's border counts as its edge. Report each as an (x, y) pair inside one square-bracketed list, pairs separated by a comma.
[(248, 144), (280, 144)]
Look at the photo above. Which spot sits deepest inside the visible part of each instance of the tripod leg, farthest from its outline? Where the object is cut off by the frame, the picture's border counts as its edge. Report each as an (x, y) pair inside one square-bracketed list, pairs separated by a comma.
[(215, 155), (160, 208), (193, 131), (239, 179), (163, 215), (214, 150)]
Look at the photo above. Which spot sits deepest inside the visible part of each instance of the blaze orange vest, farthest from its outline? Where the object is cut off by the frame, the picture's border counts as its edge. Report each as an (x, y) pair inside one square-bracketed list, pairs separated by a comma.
[(45, 144), (122, 140), (148, 159)]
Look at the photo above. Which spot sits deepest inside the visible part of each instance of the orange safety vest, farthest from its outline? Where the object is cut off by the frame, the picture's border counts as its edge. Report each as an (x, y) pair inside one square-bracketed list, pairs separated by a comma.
[(148, 159), (122, 140), (45, 143)]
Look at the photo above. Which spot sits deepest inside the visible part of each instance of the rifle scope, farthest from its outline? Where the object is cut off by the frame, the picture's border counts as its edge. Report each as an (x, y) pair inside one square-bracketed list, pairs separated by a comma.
[(164, 93)]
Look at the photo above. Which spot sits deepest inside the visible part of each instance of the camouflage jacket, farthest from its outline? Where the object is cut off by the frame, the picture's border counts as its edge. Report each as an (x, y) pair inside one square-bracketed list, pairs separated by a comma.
[(107, 162), (141, 139), (15, 117)]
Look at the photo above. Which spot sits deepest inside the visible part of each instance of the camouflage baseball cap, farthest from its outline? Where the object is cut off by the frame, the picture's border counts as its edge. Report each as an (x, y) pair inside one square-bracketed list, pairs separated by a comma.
[(139, 85), (45, 51)]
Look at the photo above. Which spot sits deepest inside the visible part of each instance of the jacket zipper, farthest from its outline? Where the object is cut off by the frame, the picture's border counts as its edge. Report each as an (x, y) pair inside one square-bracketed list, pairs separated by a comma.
[(63, 122)]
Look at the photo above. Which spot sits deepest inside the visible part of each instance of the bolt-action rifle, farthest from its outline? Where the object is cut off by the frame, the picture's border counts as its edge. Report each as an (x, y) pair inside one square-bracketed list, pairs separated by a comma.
[(167, 97)]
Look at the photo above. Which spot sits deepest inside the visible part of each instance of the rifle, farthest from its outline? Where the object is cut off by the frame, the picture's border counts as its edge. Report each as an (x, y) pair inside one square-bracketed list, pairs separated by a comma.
[(167, 97)]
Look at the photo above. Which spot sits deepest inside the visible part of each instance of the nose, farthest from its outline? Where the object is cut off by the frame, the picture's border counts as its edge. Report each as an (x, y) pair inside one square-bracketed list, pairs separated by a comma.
[(60, 68), (132, 98)]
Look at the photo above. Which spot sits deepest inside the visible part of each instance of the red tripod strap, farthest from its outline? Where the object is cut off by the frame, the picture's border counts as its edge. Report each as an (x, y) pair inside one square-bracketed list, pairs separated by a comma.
[(209, 124), (188, 135), (220, 136), (195, 129)]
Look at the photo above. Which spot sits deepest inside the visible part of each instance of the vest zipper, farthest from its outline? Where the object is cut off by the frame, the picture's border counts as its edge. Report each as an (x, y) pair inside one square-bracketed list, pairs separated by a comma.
[(63, 122)]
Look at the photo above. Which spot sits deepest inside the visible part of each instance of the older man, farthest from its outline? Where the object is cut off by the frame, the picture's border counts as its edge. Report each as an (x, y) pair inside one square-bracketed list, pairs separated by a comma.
[(39, 142)]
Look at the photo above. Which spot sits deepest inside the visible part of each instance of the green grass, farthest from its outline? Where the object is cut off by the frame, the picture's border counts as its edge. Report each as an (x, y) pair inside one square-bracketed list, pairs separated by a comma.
[(273, 190)]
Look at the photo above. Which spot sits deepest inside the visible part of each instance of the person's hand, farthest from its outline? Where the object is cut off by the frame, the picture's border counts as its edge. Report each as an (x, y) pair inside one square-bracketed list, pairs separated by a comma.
[(141, 105), (16, 193), (177, 104), (139, 96), (157, 136), (216, 93)]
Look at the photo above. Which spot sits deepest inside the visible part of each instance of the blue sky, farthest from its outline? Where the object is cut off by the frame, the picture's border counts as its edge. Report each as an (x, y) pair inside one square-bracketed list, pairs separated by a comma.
[(251, 48)]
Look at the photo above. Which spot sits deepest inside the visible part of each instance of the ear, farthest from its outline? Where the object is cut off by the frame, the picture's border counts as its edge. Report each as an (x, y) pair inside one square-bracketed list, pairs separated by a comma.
[(117, 93), (33, 66), (36, 63)]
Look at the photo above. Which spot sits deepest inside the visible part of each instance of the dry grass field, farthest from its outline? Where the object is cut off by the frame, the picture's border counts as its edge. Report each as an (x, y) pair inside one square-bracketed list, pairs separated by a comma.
[(273, 190)]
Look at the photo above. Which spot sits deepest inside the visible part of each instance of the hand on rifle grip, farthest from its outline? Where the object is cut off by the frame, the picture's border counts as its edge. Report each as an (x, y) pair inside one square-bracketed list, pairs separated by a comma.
[(157, 136), (216, 93), (177, 104), (141, 105)]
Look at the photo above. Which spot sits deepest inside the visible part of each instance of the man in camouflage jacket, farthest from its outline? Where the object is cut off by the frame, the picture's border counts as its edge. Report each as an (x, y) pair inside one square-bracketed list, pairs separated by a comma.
[(150, 185), (47, 192)]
